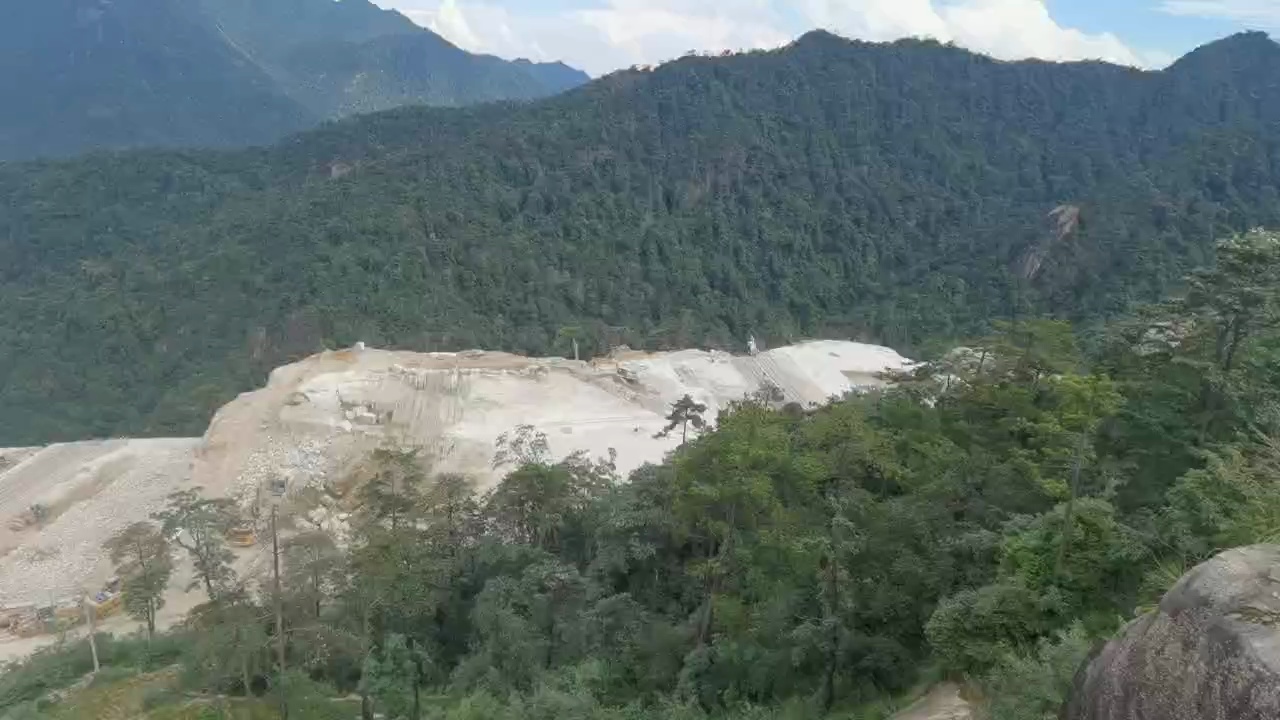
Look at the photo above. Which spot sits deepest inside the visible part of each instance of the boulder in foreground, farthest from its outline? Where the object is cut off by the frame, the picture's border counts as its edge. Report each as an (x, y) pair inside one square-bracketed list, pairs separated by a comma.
[(1210, 652)]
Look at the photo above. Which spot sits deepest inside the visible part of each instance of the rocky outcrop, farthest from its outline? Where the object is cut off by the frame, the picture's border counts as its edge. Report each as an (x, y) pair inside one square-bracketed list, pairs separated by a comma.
[(1210, 652), (319, 417), (86, 492)]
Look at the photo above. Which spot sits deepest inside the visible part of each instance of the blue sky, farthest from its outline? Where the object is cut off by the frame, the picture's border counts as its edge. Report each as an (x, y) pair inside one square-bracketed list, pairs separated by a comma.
[(603, 35)]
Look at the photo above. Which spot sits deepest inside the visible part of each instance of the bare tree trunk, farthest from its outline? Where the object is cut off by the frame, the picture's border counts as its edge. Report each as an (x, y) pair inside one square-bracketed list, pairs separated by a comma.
[(417, 681), (279, 611), (244, 675), (709, 592), (315, 586), (551, 643), (1238, 334), (833, 609), (366, 703), (93, 642), (141, 553), (713, 580), (1069, 511)]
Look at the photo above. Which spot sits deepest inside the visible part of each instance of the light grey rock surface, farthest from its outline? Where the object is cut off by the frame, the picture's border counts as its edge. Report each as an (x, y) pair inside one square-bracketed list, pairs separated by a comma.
[(1210, 652)]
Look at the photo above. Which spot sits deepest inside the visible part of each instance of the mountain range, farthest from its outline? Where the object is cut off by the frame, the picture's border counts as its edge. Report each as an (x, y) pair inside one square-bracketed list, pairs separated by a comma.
[(85, 75), (901, 193)]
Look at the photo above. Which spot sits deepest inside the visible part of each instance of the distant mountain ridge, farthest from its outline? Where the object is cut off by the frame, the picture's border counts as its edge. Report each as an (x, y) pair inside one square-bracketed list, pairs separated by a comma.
[(84, 75)]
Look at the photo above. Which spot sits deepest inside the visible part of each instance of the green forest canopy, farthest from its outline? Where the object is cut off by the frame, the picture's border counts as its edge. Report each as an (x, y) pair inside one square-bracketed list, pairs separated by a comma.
[(986, 518), (881, 192)]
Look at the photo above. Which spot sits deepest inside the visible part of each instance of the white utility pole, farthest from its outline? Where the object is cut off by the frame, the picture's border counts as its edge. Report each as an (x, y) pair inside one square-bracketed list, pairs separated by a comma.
[(89, 620), (277, 491)]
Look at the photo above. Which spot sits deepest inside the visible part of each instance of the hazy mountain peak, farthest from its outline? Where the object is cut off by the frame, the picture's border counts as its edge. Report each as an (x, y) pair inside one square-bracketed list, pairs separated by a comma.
[(105, 74)]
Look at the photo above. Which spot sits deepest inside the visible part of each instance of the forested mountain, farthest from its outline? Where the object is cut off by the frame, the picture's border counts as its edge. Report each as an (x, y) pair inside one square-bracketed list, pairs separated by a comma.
[(342, 58), (91, 74), (83, 75), (890, 192)]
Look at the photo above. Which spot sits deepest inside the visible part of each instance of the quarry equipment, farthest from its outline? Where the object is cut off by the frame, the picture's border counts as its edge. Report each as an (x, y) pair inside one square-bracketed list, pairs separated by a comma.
[(242, 536)]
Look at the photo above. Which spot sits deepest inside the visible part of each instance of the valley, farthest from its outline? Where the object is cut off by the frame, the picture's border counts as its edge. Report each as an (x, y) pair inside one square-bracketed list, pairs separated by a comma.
[(892, 198), (249, 249)]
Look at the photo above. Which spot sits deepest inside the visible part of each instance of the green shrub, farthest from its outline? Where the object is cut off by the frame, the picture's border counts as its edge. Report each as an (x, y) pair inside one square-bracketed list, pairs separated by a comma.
[(1033, 685), (973, 629), (112, 674), (48, 669), (60, 666), (155, 697)]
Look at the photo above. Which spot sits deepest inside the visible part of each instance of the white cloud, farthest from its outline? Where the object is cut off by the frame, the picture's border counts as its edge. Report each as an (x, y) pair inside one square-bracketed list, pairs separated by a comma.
[(1023, 28), (877, 19), (596, 40), (649, 31), (609, 34), (1260, 13), (1006, 29), (449, 20)]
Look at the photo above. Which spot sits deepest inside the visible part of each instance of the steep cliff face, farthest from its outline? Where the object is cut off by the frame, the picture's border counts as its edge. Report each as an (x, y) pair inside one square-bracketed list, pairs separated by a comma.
[(1210, 652)]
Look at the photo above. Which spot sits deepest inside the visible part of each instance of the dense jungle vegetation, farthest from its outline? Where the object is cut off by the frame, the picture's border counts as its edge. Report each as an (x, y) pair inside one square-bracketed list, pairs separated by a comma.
[(898, 193), (986, 518)]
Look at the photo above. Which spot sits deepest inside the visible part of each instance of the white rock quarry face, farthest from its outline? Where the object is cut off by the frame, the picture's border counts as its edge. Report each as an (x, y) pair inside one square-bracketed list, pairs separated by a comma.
[(317, 418), (92, 491)]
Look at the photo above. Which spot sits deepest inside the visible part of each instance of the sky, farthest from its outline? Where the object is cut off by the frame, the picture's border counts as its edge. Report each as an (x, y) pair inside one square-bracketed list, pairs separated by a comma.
[(600, 36)]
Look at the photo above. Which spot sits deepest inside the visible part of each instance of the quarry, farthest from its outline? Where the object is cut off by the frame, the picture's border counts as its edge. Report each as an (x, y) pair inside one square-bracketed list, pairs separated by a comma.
[(317, 419)]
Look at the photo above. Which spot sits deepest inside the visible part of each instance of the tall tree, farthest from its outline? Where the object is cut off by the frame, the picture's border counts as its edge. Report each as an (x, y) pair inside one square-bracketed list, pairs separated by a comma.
[(684, 412), (199, 526), (1228, 306), (144, 563), (727, 491), (311, 560), (232, 640)]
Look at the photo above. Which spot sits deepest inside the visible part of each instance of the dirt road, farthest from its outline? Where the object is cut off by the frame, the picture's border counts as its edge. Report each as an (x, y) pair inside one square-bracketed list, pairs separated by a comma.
[(942, 703)]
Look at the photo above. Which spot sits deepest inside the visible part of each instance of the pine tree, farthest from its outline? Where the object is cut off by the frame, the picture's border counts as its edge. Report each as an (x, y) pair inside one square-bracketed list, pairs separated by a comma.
[(684, 412)]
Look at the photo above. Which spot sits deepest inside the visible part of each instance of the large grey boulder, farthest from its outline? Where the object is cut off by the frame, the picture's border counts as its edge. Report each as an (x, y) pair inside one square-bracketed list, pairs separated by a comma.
[(1210, 652)]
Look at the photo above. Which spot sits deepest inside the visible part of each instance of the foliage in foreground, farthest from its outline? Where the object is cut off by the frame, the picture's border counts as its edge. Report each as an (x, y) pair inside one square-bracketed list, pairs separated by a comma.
[(1032, 684), (988, 516)]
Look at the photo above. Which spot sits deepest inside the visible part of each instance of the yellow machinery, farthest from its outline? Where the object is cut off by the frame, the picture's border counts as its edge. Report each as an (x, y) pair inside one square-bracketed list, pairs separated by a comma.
[(31, 620), (105, 607), (242, 537)]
